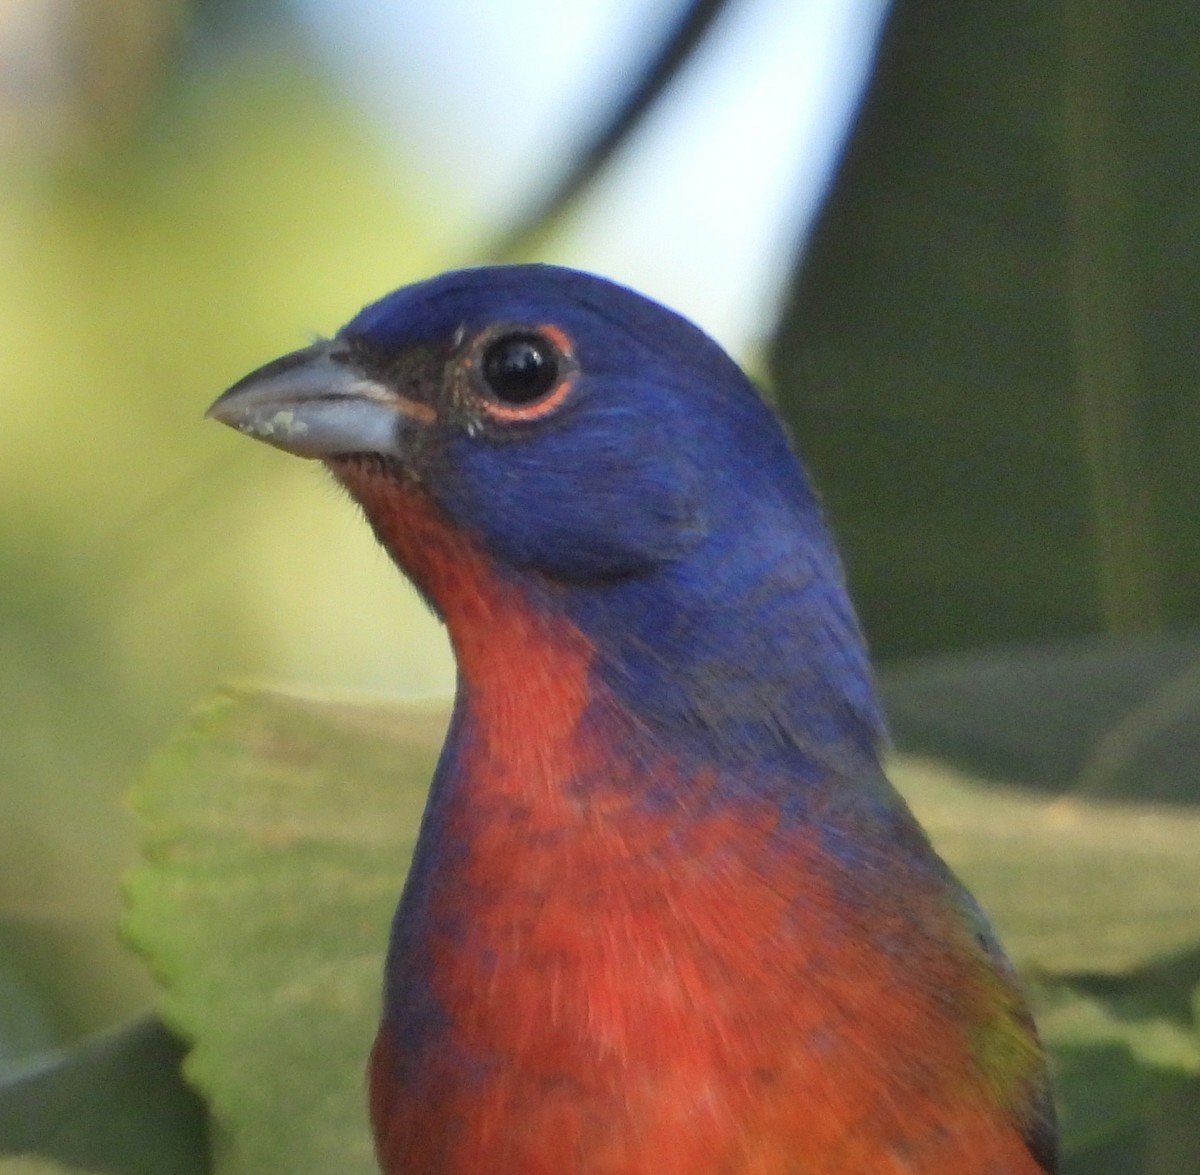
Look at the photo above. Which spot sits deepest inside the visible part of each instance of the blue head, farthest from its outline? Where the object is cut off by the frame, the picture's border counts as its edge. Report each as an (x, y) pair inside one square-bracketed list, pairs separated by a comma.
[(607, 454)]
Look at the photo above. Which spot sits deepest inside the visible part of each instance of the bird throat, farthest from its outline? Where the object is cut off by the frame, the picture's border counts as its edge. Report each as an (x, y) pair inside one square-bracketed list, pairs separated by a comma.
[(523, 670)]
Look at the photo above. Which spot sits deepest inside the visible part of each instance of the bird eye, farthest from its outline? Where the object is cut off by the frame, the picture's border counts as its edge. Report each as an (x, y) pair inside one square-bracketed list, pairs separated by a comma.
[(521, 367)]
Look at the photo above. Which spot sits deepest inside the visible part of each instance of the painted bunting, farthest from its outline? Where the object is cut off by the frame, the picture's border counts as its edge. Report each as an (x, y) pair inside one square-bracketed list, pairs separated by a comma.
[(666, 914)]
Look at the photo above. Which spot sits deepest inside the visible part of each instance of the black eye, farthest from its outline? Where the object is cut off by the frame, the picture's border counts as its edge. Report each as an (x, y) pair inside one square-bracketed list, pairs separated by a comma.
[(520, 368)]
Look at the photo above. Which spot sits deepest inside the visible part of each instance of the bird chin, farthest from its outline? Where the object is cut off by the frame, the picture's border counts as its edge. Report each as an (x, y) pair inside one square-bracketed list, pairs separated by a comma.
[(355, 466)]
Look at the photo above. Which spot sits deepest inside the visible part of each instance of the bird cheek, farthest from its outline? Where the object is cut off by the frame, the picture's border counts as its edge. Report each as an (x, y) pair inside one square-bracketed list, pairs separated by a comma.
[(564, 511)]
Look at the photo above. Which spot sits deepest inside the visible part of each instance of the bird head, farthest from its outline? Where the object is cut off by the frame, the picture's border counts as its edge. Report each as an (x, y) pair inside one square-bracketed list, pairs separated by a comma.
[(603, 456)]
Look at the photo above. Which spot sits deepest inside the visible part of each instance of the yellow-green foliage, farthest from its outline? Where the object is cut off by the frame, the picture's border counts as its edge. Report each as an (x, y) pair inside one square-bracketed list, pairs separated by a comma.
[(144, 554), (277, 831)]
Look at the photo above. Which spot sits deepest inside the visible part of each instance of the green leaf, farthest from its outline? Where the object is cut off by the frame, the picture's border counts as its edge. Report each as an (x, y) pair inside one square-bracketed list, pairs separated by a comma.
[(278, 832), (1101, 1093), (1075, 887), (1109, 718), (116, 1104), (1071, 1019), (28, 1165), (1125, 1082), (27, 1022), (987, 350), (1126, 1055)]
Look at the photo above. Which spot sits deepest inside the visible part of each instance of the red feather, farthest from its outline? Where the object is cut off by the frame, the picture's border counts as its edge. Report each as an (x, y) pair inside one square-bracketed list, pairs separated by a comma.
[(654, 995)]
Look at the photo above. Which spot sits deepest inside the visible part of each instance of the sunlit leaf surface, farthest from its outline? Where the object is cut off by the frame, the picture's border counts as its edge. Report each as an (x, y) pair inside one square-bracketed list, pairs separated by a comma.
[(277, 831), (28, 1165), (1074, 886)]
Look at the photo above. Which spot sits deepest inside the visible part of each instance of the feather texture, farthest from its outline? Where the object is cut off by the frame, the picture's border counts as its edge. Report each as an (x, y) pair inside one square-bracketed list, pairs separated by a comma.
[(666, 914)]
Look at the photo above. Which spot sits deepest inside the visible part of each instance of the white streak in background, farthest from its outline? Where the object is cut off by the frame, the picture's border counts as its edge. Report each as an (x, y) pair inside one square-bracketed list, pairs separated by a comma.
[(705, 208), (491, 94), (708, 207)]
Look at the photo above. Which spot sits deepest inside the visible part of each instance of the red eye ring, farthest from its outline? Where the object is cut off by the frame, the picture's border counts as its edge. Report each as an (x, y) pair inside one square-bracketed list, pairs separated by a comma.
[(544, 403)]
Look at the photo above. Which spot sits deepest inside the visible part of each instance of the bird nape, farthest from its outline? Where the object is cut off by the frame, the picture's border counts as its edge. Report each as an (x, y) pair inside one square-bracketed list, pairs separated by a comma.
[(665, 914)]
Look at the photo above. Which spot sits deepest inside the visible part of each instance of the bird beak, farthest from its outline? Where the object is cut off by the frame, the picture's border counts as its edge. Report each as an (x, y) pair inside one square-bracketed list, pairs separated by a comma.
[(313, 403)]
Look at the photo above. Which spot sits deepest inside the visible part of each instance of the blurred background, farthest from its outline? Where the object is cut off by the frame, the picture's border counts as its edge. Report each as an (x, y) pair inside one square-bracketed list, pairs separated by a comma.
[(980, 326)]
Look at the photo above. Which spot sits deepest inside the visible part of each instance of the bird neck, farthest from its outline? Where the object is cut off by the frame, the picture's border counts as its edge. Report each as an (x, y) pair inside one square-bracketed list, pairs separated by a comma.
[(660, 661), (523, 669), (746, 653)]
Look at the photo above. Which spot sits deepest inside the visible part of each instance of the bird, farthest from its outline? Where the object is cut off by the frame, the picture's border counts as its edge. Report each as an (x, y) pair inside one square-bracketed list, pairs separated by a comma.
[(665, 913)]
